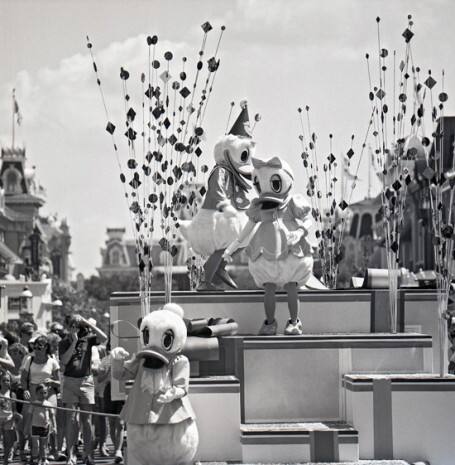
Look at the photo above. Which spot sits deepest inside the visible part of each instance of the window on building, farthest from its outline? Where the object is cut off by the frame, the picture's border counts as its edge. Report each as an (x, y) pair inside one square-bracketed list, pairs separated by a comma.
[(15, 303), (56, 260), (115, 257), (12, 181), (354, 225), (366, 225)]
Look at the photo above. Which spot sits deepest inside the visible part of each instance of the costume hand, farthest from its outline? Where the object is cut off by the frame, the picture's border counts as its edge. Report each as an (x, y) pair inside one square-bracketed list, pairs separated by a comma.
[(294, 237), (166, 397), (229, 211), (119, 353), (227, 257)]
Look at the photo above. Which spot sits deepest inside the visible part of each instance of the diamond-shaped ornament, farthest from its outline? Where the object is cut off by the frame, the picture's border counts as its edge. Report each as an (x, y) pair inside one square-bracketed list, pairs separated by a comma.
[(350, 153), (430, 82), (380, 94), (202, 191), (331, 158), (206, 27), (131, 134), (343, 205), (166, 123), (407, 34), (394, 246), (156, 112), (172, 139), (131, 114), (397, 185), (149, 92), (110, 128), (184, 92)]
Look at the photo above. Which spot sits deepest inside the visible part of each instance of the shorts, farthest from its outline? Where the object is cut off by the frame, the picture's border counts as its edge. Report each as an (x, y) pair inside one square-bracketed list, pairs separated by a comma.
[(78, 390), (111, 406), (40, 431), (291, 269)]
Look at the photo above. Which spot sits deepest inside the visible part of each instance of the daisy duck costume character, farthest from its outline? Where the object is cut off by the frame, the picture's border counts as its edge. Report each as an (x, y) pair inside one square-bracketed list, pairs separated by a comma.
[(279, 250), (222, 214), (159, 417)]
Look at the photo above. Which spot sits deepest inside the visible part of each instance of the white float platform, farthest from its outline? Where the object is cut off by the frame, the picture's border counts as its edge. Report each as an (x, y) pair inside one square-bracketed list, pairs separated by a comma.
[(216, 403), (327, 311), (298, 378), (299, 442), (322, 311), (410, 417)]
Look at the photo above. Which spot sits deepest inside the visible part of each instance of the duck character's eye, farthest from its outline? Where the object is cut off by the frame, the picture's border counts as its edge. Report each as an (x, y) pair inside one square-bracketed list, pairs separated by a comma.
[(245, 155), (168, 339), (145, 335), (276, 183)]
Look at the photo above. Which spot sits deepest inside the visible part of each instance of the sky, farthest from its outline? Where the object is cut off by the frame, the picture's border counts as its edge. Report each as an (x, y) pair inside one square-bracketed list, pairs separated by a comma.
[(277, 54)]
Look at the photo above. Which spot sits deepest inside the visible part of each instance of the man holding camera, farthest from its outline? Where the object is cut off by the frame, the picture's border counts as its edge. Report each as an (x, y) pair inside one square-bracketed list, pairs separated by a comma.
[(77, 385)]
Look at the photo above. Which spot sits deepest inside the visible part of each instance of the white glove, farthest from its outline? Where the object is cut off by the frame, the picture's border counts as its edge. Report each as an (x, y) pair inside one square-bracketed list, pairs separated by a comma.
[(229, 211), (119, 353), (294, 237), (170, 395)]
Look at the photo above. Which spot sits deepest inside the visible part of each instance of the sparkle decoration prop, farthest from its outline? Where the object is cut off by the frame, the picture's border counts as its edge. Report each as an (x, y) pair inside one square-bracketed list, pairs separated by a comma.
[(392, 156), (440, 176), (162, 144), (395, 160), (328, 206)]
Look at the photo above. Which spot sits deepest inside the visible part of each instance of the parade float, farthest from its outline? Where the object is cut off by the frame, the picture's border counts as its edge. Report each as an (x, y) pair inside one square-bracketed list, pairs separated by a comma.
[(367, 379)]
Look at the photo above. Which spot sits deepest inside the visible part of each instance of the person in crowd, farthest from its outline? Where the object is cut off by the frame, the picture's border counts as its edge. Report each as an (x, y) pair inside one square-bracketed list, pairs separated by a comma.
[(77, 388), (10, 332), (53, 340), (8, 416), (6, 362), (114, 407), (26, 333), (58, 329), (40, 425), (57, 417), (17, 353), (38, 368), (99, 422)]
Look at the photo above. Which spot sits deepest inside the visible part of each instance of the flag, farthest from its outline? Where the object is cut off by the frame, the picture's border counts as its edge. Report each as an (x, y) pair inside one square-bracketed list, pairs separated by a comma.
[(16, 109)]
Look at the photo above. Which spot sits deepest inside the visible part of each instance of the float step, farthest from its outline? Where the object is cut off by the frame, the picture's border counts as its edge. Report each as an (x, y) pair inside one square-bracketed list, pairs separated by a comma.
[(299, 442)]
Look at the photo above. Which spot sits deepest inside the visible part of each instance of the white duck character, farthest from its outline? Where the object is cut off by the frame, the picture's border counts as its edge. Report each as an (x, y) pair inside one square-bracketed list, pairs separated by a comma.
[(222, 214), (159, 417), (279, 250)]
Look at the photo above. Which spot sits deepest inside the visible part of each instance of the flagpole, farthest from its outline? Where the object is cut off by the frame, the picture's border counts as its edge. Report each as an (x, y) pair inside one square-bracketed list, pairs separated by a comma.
[(12, 121), (369, 173)]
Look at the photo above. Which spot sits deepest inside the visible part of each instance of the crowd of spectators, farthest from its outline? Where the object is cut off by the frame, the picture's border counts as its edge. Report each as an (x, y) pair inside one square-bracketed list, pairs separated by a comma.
[(68, 366)]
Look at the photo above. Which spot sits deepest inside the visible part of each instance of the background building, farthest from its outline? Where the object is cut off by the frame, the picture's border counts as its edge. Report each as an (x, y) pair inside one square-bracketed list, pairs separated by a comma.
[(33, 248)]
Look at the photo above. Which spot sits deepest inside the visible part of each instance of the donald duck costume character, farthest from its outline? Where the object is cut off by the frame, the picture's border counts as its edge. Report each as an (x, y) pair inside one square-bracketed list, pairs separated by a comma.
[(160, 420), (222, 214), (279, 250)]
